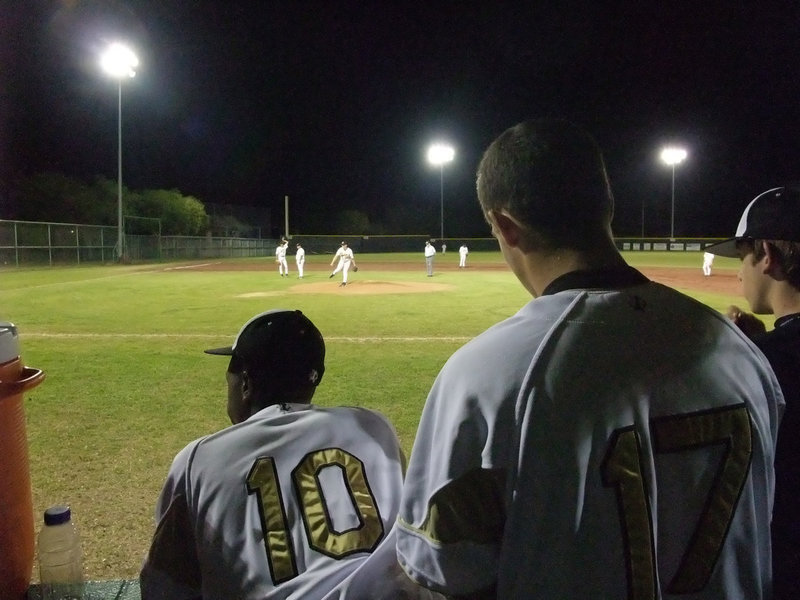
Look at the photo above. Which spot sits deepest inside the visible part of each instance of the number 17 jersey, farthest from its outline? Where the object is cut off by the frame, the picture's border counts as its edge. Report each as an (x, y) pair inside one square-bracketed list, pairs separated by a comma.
[(603, 444)]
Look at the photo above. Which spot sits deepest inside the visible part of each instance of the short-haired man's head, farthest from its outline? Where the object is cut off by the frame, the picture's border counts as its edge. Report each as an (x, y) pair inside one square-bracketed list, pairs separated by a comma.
[(786, 254), (269, 384), (548, 174), (262, 388), (282, 354)]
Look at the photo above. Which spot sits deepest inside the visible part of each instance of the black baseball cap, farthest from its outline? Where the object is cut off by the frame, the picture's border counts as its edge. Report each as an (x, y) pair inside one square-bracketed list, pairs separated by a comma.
[(283, 343), (772, 215)]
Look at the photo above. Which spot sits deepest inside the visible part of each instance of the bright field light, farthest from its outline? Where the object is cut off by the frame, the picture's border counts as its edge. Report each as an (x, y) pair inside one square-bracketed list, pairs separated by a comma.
[(439, 154), (673, 156), (119, 61)]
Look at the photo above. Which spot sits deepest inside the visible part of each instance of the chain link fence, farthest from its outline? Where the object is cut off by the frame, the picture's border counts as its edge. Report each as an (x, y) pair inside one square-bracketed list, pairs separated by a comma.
[(29, 243)]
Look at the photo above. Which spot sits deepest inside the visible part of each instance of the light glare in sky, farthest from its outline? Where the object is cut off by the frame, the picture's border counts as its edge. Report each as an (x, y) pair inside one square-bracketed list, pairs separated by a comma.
[(672, 155), (119, 61), (438, 154)]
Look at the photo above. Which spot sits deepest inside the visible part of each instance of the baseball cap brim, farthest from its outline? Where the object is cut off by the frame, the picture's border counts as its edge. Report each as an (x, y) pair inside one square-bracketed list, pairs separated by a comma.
[(226, 351), (726, 248), (770, 216)]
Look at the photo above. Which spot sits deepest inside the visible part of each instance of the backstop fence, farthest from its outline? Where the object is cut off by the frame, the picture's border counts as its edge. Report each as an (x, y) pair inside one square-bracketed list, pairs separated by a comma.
[(361, 244), (33, 243), (38, 243)]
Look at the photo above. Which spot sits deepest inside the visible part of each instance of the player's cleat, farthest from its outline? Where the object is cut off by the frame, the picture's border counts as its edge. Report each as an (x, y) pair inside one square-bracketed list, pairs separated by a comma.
[(331, 275), (342, 284)]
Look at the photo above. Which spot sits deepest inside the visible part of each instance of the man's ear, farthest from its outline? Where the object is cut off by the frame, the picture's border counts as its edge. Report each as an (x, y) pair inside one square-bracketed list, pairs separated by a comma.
[(505, 226), (771, 264), (246, 385)]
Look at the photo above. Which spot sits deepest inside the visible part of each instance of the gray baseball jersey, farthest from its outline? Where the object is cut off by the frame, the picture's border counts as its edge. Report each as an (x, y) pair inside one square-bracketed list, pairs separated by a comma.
[(380, 577), (283, 505), (613, 439)]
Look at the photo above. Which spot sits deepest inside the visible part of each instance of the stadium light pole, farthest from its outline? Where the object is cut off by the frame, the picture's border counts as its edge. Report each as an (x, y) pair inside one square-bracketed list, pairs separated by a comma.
[(439, 155), (642, 217), (673, 156), (119, 62)]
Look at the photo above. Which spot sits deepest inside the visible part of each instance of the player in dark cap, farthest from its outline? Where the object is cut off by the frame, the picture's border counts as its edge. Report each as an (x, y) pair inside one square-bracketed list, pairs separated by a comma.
[(767, 241), (287, 501)]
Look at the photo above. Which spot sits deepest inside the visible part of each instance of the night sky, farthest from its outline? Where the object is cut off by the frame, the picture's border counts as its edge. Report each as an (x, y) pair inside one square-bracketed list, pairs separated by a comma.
[(334, 103)]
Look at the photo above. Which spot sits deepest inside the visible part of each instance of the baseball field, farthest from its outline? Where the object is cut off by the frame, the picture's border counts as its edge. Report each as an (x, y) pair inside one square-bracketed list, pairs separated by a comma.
[(128, 384)]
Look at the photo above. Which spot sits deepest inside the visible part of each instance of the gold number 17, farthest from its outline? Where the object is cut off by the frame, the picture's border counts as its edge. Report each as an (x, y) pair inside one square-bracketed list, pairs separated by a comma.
[(622, 468)]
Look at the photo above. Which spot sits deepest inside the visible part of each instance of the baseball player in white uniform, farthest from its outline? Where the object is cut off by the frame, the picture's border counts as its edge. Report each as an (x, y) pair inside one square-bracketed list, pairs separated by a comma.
[(346, 259), (462, 256), (280, 258), (300, 259), (430, 253), (708, 260), (613, 439), (291, 498), (767, 242)]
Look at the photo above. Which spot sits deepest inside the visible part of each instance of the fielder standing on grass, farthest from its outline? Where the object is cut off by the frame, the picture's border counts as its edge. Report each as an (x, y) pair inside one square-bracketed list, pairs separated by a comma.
[(462, 256), (430, 253), (280, 258), (346, 259), (291, 498), (300, 259), (708, 261), (767, 241), (613, 439)]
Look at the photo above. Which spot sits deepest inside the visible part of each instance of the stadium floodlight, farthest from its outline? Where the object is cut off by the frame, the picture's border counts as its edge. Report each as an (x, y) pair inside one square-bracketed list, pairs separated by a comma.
[(673, 156), (439, 155), (119, 62)]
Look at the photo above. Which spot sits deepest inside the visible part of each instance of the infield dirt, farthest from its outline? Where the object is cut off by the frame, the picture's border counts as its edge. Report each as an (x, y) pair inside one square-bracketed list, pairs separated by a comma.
[(722, 281)]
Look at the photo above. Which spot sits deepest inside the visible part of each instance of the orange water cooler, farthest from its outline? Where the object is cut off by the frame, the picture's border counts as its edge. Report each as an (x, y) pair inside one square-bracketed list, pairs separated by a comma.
[(16, 503)]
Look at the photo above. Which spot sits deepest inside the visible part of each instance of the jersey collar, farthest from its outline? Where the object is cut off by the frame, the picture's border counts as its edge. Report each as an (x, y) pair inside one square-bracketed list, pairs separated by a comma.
[(789, 321), (608, 279)]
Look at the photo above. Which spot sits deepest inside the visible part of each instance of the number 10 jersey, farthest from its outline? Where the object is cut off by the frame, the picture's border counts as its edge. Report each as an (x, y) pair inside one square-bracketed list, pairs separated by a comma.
[(283, 505)]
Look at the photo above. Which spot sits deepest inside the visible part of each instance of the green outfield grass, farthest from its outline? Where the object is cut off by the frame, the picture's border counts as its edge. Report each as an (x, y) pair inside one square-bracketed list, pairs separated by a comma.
[(128, 385), (691, 260)]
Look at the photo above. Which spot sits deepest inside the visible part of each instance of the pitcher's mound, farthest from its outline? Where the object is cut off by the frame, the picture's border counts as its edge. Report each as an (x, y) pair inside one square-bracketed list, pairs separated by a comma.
[(361, 286)]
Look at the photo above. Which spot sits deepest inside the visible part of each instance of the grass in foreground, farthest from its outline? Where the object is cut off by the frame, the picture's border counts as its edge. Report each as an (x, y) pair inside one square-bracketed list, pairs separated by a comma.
[(128, 385)]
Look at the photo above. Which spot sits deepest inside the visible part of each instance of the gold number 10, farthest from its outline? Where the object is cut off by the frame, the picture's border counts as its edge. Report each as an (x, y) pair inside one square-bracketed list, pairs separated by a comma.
[(622, 469), (263, 481)]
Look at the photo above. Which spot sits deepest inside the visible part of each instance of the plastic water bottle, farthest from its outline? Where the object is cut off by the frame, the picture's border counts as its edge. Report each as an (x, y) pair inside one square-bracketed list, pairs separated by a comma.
[(60, 562)]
